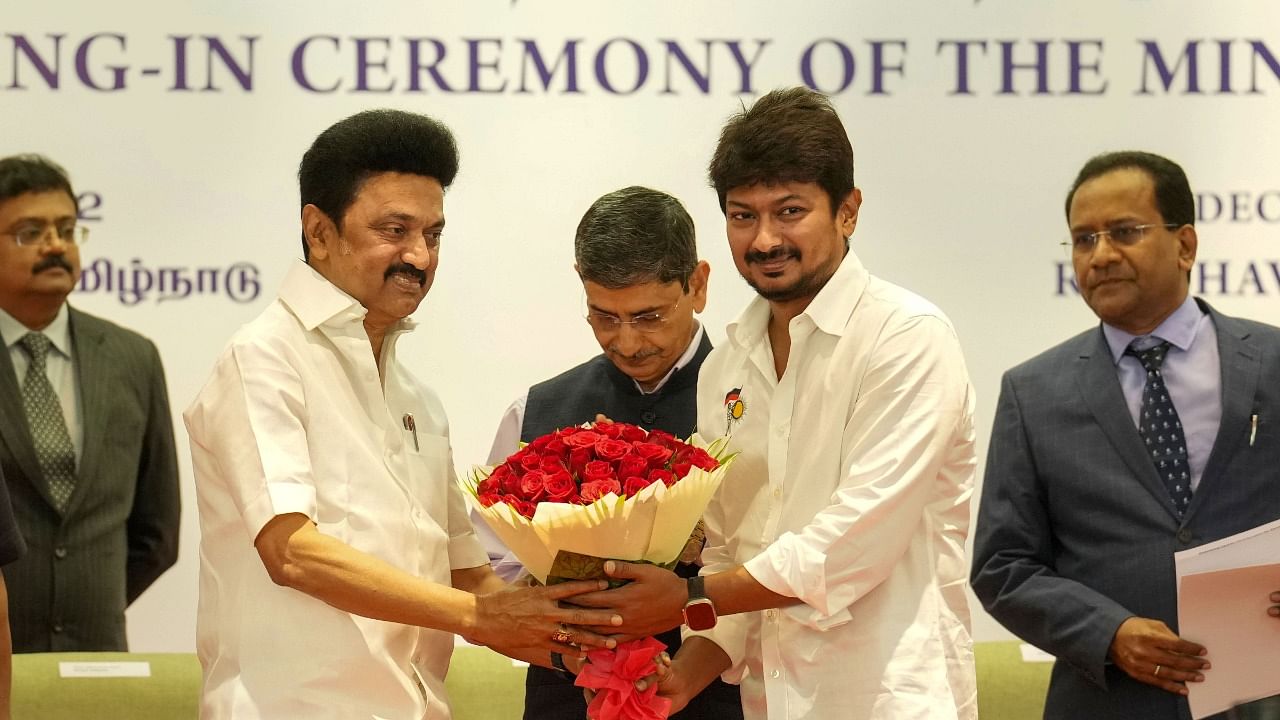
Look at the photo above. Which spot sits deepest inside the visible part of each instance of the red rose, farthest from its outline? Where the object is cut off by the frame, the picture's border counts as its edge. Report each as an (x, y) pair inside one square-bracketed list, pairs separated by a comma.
[(532, 485), (525, 508), (578, 459), (655, 454), (488, 499), (530, 460), (698, 457), (563, 433), (597, 470), (633, 433), (509, 480), (582, 439), (551, 464), (596, 489), (611, 450), (609, 430), (635, 484), (555, 446), (559, 486), (665, 439), (667, 477), (539, 443), (488, 486), (680, 469), (633, 465)]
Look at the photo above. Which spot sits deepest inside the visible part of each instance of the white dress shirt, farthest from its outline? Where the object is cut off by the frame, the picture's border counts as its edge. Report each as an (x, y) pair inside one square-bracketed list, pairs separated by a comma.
[(851, 494), (58, 367), (296, 420)]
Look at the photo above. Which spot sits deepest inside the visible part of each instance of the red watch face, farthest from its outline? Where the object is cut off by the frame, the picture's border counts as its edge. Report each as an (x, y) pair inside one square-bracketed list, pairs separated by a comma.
[(700, 614)]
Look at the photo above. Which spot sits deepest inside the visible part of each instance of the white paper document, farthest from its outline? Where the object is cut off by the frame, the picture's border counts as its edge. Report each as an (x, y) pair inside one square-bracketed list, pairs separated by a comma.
[(103, 669), (1223, 596)]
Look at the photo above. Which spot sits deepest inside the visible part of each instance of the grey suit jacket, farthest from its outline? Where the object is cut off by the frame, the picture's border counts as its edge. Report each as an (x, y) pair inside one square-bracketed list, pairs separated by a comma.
[(1076, 532), (120, 528)]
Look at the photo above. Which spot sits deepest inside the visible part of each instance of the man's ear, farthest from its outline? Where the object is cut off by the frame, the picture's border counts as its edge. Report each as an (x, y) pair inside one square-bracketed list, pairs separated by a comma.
[(847, 213), (319, 230), (698, 285), (1187, 244)]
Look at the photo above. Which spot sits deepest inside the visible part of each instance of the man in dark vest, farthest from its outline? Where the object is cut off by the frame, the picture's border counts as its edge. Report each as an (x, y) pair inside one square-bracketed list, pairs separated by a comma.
[(635, 253)]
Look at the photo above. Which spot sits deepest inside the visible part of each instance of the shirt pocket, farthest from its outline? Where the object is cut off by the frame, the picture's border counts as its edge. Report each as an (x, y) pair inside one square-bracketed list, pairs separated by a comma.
[(431, 471)]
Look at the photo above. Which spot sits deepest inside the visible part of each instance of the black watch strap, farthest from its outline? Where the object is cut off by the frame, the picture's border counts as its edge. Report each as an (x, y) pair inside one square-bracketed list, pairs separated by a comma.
[(557, 661)]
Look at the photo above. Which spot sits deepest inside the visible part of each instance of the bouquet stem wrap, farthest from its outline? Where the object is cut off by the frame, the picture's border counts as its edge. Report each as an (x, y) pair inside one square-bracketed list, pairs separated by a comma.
[(613, 675)]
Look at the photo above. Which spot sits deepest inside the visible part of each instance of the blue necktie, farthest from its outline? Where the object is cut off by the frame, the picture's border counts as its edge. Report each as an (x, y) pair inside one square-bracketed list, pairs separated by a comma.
[(1160, 428)]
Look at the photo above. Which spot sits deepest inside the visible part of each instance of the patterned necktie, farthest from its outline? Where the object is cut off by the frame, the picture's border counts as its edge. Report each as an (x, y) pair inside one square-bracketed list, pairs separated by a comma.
[(54, 451), (1161, 429)]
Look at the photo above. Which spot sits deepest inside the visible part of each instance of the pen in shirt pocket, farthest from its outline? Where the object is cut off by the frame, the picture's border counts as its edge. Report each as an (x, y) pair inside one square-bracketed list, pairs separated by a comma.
[(412, 427)]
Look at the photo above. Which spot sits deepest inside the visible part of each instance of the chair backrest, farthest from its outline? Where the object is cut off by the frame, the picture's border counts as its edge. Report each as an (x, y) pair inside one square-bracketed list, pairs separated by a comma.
[(99, 686), (1009, 688)]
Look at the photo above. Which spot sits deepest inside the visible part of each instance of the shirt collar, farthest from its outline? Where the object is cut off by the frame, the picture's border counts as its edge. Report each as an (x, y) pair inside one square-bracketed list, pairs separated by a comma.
[(316, 301), (1179, 329), (58, 331), (829, 310), (683, 360)]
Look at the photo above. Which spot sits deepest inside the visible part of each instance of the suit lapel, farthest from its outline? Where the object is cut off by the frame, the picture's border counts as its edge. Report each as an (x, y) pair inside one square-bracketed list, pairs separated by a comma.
[(86, 341), (1241, 366), (13, 425), (1100, 388)]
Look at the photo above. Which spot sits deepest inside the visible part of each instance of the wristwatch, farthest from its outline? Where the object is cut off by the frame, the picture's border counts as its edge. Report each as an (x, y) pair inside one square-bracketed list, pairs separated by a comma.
[(699, 612)]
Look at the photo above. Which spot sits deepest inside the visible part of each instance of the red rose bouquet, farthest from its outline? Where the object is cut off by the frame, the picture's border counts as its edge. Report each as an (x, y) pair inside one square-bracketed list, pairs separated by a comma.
[(571, 499)]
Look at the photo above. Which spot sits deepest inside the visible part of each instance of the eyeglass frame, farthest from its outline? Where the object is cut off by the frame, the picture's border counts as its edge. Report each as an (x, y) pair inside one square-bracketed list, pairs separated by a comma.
[(43, 229), (1072, 244), (659, 318)]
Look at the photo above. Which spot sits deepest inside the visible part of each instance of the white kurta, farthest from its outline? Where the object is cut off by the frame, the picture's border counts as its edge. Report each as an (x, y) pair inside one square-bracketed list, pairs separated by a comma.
[(295, 419), (852, 494)]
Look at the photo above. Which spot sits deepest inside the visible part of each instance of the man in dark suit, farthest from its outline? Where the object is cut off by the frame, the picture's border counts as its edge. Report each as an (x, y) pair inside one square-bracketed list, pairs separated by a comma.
[(86, 438), (12, 546), (635, 254), (1157, 432)]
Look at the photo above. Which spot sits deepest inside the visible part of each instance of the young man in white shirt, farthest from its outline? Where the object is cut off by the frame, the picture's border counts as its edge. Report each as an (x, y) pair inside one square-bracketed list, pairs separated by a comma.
[(835, 547), (337, 559)]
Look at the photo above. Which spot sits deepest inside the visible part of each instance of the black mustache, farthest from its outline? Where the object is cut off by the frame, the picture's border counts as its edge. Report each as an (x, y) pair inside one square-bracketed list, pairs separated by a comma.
[(52, 261), (406, 269), (778, 253)]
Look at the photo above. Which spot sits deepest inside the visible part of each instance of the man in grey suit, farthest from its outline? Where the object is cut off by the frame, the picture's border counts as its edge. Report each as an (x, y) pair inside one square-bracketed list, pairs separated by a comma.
[(1156, 432), (86, 438)]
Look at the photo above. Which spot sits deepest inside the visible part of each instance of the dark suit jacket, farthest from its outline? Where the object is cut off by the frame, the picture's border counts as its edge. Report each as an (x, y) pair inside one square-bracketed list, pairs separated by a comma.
[(120, 529), (1076, 532)]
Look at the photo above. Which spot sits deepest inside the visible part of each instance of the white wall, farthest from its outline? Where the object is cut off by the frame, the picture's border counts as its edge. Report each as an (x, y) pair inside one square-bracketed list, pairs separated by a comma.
[(963, 190)]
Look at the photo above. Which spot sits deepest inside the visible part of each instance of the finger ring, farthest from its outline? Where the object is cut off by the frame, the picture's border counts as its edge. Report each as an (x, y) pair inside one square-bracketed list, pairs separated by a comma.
[(562, 635), (1157, 672)]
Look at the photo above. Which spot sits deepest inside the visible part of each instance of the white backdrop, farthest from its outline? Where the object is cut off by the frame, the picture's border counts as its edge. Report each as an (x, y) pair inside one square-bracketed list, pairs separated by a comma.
[(184, 122)]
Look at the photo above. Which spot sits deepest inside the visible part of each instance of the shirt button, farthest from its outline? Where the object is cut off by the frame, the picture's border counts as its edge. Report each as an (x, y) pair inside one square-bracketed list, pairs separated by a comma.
[(57, 627), (771, 614), (1184, 536), (59, 552), (777, 492), (775, 674)]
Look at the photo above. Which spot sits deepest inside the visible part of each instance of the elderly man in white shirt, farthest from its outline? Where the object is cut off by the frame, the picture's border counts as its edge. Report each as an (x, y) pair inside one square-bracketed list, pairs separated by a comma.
[(835, 548), (336, 557)]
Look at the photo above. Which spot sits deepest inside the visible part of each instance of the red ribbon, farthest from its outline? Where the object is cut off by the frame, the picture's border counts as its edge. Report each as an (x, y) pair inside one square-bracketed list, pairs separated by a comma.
[(613, 675)]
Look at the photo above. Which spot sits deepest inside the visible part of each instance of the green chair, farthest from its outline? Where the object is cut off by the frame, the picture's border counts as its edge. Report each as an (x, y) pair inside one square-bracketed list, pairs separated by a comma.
[(1008, 687), (483, 685), (172, 692)]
